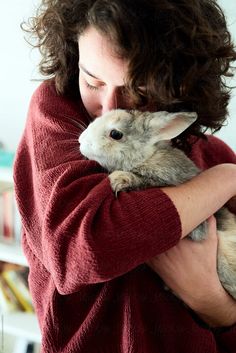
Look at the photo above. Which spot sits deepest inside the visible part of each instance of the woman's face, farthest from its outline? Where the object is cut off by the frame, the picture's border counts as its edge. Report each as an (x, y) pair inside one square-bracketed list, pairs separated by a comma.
[(101, 74)]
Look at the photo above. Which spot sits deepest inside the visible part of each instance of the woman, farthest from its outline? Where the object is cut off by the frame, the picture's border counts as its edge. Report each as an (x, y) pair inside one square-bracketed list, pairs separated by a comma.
[(98, 263)]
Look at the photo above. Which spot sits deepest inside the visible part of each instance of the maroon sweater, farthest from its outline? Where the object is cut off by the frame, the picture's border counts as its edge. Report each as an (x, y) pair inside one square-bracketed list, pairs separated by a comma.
[(86, 248)]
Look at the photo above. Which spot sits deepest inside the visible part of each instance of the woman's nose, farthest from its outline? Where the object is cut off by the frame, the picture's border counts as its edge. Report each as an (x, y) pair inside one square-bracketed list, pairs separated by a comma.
[(109, 102), (114, 99)]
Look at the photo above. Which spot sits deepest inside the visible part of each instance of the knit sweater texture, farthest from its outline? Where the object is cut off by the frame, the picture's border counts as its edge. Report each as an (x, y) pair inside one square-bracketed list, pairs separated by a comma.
[(87, 249)]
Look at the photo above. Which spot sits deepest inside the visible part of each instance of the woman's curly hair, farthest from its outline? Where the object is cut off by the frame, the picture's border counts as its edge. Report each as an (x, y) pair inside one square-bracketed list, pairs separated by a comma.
[(180, 51)]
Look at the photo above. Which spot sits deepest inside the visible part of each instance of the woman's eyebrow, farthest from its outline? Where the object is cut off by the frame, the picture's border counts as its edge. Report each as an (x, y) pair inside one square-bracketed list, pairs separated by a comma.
[(88, 73), (93, 76)]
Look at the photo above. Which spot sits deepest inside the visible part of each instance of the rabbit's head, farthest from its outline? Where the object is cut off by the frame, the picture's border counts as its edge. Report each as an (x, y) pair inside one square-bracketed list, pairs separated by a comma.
[(121, 139)]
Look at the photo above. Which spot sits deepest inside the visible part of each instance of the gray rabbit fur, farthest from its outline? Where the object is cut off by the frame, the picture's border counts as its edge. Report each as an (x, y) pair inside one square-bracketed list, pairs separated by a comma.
[(135, 148)]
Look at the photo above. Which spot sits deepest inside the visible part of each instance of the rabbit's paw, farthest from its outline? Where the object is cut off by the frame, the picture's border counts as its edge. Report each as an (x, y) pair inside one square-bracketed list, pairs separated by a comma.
[(121, 181)]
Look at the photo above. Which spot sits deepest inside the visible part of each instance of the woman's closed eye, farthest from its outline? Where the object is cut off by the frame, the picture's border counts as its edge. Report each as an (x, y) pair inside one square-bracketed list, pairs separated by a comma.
[(93, 88)]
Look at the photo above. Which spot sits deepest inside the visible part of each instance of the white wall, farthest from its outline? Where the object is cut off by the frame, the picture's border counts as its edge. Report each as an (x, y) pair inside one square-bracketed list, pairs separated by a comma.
[(18, 68), (228, 133)]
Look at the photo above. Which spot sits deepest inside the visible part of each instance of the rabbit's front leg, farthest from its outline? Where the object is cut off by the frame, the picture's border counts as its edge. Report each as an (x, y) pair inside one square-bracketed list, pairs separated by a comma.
[(123, 181)]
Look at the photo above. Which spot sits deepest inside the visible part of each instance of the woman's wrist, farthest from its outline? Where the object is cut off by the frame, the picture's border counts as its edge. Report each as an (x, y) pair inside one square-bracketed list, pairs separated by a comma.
[(202, 196), (229, 170), (219, 310)]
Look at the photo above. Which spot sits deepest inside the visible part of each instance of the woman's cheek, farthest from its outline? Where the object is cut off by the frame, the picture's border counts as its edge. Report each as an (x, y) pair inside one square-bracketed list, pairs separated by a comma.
[(90, 99)]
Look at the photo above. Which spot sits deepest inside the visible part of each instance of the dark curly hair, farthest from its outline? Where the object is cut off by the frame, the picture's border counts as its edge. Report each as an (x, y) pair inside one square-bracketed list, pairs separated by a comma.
[(180, 51)]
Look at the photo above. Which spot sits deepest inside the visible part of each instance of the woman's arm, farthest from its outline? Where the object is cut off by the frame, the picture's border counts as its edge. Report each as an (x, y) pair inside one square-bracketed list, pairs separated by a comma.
[(199, 198), (219, 311)]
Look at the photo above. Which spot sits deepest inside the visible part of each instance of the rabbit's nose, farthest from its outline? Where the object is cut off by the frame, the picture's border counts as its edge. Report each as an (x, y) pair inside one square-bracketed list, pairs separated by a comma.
[(81, 137)]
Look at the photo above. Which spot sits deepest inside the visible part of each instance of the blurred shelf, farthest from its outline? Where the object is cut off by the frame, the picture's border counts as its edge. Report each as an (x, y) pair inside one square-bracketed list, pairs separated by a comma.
[(6, 174), (21, 324), (11, 252)]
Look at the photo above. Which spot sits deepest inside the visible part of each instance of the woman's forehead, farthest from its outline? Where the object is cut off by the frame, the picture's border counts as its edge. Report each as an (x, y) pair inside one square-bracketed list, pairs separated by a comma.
[(98, 58)]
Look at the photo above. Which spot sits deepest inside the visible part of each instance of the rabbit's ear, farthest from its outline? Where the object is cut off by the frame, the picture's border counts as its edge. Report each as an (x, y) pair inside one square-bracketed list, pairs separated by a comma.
[(170, 125)]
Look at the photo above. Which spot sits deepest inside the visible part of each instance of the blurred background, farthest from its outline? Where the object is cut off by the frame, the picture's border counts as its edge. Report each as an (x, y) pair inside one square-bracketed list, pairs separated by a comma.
[(19, 78)]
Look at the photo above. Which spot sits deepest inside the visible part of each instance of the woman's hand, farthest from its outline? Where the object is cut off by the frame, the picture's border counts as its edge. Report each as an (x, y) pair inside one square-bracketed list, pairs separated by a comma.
[(189, 269)]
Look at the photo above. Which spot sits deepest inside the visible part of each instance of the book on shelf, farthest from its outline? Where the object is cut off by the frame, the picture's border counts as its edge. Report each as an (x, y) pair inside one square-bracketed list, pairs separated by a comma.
[(17, 281), (10, 224), (8, 301), (14, 290), (8, 214)]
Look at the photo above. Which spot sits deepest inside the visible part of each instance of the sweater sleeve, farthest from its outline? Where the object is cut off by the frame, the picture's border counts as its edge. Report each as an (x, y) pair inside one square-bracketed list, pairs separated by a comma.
[(226, 340), (211, 151), (72, 221)]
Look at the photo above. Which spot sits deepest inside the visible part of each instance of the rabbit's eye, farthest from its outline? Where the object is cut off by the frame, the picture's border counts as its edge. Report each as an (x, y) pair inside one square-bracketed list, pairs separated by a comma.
[(116, 135)]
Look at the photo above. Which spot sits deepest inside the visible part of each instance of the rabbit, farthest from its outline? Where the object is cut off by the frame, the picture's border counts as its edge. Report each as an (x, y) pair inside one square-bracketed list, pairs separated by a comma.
[(136, 150)]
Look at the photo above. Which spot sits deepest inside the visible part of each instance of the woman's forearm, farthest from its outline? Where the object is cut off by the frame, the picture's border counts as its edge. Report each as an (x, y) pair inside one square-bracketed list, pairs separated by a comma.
[(202, 196), (219, 310)]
